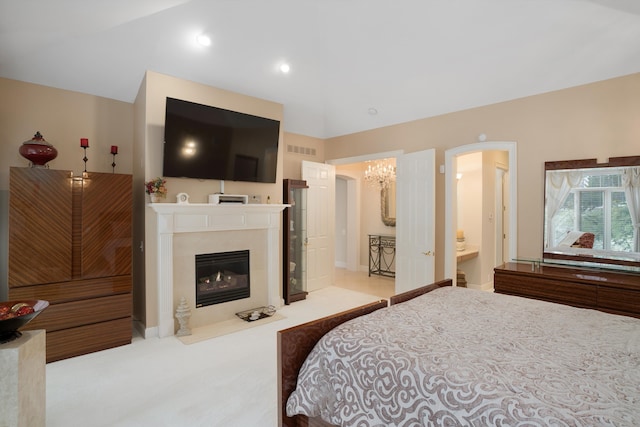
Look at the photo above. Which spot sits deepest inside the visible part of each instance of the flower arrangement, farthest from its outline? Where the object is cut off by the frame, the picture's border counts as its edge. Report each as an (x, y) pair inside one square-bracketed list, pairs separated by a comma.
[(156, 187)]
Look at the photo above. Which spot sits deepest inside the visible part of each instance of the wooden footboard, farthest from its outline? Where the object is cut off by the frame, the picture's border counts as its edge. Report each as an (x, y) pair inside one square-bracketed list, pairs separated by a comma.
[(294, 344), (406, 296)]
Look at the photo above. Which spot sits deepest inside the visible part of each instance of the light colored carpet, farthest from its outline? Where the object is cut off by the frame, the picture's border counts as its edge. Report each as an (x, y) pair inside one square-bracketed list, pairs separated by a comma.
[(226, 381), (227, 327)]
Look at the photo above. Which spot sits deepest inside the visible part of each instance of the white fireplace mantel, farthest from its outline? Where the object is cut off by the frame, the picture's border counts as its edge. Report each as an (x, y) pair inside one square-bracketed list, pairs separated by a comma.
[(175, 218)]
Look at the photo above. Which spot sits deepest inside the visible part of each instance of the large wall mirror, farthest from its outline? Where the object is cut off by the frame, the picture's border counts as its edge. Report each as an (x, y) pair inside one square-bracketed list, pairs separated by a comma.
[(388, 204), (592, 213)]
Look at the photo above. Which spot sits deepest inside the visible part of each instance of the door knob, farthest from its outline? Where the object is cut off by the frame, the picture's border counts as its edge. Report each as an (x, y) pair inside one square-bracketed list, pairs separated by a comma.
[(429, 253)]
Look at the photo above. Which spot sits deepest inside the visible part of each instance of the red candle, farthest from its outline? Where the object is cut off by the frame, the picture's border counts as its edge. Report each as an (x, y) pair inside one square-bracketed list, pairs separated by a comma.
[(84, 142), (114, 149)]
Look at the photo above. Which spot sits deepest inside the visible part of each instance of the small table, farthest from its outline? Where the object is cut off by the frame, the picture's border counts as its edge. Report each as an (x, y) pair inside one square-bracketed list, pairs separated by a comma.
[(382, 255), (23, 373)]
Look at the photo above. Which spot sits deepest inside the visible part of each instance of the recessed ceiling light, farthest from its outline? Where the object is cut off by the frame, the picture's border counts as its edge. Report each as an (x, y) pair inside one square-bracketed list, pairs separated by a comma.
[(203, 40), (372, 111), (285, 68)]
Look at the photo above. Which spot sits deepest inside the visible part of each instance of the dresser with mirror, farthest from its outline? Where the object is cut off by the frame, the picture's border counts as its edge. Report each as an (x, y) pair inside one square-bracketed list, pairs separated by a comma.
[(591, 246)]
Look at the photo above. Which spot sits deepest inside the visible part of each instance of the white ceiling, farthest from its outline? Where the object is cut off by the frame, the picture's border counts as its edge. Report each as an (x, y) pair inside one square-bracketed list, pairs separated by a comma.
[(408, 59)]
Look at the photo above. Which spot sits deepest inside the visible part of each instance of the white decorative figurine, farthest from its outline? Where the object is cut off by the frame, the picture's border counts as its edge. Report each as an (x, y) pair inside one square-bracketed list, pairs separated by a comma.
[(183, 313)]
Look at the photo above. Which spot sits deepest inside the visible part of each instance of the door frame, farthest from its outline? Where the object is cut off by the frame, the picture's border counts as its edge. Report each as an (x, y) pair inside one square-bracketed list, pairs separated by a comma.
[(354, 194), (451, 208)]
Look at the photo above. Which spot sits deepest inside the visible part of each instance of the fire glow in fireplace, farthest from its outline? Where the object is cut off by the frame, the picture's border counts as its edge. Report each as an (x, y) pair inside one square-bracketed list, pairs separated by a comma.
[(222, 277)]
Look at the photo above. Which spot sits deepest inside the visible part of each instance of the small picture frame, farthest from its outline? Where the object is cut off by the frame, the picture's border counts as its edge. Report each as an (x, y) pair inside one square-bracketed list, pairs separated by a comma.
[(182, 198)]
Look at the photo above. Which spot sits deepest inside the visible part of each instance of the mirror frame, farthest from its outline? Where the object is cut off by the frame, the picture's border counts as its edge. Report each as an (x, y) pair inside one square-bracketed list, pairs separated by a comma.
[(384, 208), (596, 260)]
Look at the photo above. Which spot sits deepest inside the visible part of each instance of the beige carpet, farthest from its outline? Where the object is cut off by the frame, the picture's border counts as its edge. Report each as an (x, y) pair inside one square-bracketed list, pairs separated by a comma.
[(226, 327), (161, 382)]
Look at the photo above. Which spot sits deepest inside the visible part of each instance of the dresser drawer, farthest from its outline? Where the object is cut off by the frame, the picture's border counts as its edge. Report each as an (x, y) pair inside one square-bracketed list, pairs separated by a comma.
[(74, 290), (78, 313), (622, 301), (546, 289), (609, 291), (88, 338)]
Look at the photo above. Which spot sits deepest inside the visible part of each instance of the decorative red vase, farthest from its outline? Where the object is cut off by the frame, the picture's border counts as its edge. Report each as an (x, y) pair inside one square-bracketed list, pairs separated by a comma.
[(38, 151)]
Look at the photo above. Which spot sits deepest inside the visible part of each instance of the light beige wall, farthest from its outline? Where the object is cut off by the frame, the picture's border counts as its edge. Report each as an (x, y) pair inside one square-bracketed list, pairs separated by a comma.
[(63, 117), (157, 87), (598, 120)]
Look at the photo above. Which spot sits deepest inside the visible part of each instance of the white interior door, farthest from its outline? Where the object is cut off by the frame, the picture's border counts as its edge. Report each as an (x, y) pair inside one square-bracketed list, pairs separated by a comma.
[(415, 224), (320, 178)]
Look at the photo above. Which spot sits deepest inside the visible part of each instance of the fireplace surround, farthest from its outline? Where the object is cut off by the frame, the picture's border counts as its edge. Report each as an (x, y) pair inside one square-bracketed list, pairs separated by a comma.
[(202, 218)]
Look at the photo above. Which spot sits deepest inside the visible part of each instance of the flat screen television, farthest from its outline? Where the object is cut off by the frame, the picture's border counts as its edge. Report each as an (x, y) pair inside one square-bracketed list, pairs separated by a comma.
[(206, 142)]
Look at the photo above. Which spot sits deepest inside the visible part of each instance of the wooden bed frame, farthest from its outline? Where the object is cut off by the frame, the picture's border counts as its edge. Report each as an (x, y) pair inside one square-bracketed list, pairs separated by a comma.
[(295, 343)]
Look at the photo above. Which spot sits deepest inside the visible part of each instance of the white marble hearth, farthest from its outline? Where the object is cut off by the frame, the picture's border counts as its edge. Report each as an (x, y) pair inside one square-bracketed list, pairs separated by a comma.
[(210, 221)]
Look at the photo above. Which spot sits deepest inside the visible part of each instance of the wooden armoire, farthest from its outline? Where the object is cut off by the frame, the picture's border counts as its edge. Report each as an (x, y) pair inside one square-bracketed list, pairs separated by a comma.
[(70, 243)]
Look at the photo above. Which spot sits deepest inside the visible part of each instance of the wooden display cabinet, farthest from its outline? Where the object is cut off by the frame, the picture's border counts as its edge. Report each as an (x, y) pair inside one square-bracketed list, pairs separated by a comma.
[(294, 270)]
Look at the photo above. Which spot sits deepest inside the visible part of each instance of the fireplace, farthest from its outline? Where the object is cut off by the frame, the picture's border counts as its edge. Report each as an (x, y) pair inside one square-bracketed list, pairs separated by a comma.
[(222, 277), (196, 228)]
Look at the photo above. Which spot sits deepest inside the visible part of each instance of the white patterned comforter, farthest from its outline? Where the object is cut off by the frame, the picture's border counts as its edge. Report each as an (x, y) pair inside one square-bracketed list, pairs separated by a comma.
[(459, 357)]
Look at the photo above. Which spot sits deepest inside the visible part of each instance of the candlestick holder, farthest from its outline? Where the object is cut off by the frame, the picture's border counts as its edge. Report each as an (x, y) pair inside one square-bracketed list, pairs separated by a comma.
[(85, 158), (113, 164)]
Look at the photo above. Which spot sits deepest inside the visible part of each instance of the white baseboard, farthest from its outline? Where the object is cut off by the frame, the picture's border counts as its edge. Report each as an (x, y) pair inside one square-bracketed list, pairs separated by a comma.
[(145, 332), (341, 264)]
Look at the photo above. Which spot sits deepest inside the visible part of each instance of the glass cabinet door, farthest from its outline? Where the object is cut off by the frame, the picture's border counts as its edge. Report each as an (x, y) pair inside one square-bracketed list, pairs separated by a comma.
[(295, 241)]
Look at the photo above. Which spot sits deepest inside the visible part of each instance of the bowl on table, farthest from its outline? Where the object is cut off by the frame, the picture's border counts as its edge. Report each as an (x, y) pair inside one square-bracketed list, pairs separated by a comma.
[(16, 314)]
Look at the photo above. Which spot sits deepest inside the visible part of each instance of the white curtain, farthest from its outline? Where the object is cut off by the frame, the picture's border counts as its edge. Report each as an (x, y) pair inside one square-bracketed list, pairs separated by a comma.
[(558, 187), (631, 184)]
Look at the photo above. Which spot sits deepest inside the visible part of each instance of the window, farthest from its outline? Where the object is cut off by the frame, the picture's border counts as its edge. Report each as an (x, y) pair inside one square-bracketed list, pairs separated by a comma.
[(597, 205)]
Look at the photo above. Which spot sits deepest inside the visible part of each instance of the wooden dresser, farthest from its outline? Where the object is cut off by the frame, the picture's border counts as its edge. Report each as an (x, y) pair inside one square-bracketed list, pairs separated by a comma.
[(604, 290), (70, 241)]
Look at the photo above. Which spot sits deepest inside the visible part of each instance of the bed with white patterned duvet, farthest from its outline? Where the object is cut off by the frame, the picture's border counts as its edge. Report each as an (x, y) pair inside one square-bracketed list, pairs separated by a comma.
[(459, 357)]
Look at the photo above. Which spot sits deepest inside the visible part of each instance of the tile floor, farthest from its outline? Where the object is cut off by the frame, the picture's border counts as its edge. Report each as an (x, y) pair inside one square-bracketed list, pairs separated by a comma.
[(380, 286)]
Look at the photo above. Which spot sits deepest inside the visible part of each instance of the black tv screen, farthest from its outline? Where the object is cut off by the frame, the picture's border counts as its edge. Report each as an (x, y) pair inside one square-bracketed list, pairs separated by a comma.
[(206, 142)]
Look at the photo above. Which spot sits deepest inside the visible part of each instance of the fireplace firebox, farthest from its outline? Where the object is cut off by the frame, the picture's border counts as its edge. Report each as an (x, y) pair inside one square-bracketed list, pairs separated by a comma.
[(222, 277)]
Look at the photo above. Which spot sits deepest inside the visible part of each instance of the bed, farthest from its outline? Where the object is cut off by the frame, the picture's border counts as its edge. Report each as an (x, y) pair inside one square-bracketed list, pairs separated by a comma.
[(528, 365)]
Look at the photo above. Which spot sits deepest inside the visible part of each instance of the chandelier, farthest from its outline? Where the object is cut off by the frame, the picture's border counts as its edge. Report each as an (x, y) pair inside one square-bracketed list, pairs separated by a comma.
[(380, 174)]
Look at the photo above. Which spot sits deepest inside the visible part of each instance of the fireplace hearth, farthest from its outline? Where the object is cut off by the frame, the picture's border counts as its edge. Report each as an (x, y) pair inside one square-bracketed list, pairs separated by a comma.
[(222, 277)]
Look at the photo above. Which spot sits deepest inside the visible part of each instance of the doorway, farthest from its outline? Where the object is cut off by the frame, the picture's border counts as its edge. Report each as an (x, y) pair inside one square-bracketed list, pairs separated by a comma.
[(509, 216), (349, 211), (414, 246)]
